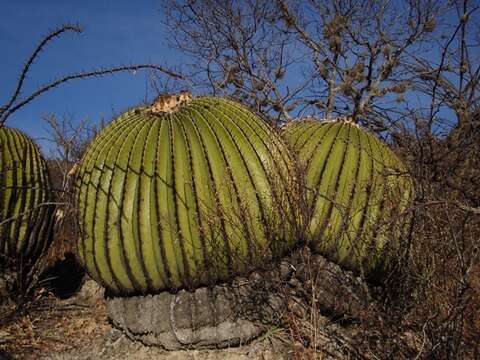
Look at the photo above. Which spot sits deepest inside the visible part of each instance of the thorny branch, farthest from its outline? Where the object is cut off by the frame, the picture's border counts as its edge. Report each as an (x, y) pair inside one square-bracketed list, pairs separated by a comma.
[(14, 103)]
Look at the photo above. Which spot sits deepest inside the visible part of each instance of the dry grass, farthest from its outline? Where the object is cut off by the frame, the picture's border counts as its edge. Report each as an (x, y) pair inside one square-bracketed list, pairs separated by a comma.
[(50, 325)]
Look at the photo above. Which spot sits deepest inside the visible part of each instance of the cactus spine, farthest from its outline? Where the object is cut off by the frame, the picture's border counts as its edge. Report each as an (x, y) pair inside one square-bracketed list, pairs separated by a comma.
[(357, 190), (26, 212), (179, 196)]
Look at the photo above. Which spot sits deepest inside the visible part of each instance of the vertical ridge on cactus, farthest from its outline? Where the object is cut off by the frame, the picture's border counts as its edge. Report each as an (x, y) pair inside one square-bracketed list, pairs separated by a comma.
[(26, 210), (184, 197), (357, 191)]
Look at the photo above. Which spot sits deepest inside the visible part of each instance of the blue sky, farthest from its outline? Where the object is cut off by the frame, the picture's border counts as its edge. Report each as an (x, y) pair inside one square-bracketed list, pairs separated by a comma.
[(115, 32)]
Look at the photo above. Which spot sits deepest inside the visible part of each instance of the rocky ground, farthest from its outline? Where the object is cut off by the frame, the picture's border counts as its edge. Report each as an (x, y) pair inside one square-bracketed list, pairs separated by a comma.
[(77, 328), (329, 314)]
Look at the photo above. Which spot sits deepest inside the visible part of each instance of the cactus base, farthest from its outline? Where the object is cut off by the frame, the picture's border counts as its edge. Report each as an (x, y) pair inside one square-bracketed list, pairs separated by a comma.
[(221, 316)]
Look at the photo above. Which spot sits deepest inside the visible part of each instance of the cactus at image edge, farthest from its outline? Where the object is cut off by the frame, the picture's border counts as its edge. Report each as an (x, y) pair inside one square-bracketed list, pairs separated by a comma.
[(357, 193), (175, 196), (26, 210)]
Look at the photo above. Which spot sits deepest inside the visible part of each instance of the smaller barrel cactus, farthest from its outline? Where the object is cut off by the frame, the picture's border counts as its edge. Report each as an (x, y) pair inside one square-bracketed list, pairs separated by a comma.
[(357, 192), (26, 210)]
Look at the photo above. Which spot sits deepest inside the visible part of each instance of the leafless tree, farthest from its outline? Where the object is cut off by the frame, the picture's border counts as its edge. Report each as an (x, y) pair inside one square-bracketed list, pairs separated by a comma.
[(240, 49), (360, 51), (288, 58), (449, 123), (69, 140), (441, 140)]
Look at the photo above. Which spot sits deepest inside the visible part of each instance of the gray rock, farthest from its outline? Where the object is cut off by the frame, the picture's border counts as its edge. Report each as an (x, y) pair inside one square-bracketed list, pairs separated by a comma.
[(221, 316)]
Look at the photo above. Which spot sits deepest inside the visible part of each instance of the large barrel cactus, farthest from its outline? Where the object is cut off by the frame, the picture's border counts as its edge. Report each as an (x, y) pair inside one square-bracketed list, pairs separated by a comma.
[(357, 192), (183, 193), (26, 210)]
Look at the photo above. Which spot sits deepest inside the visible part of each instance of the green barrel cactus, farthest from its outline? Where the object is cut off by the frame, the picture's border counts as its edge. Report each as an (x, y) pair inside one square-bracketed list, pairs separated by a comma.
[(183, 193), (357, 193), (26, 210)]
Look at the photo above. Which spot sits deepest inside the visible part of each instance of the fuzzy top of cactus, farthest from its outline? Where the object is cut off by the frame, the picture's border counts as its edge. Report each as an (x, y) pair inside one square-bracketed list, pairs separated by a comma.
[(358, 192), (26, 212), (182, 195)]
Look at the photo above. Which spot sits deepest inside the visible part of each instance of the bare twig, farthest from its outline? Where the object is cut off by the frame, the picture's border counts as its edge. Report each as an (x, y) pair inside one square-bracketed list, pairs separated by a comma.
[(14, 103)]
